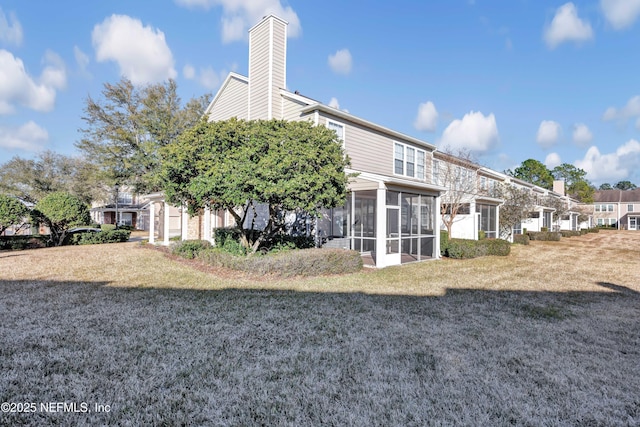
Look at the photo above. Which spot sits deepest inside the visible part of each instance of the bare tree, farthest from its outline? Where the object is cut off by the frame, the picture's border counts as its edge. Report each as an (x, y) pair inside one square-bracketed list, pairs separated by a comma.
[(458, 173), (518, 203), (559, 205)]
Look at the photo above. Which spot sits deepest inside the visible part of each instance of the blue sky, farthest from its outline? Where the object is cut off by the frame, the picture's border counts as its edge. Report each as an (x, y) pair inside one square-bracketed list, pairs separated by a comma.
[(510, 80)]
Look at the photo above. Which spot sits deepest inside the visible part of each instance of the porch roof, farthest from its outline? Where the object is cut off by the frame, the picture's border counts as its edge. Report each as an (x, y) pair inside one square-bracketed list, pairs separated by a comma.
[(384, 180)]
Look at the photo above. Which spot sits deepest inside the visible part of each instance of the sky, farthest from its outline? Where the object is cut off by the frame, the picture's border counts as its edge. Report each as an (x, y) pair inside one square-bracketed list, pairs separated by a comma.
[(555, 81)]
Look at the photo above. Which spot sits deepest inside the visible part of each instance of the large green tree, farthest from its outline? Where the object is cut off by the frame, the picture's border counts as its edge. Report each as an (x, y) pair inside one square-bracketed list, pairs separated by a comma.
[(238, 165), (576, 184), (12, 212), (535, 172), (605, 186), (127, 126), (32, 179), (60, 211)]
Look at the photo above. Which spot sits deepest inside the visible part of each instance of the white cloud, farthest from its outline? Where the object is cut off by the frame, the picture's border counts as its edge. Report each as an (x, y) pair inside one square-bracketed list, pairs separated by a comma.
[(629, 111), (82, 59), (189, 72), (207, 76), (340, 62), (475, 132), (613, 166), (17, 87), (240, 15), (10, 29), (28, 137), (548, 133), (140, 51), (620, 13), (427, 118), (334, 103), (567, 26), (582, 136), (552, 160)]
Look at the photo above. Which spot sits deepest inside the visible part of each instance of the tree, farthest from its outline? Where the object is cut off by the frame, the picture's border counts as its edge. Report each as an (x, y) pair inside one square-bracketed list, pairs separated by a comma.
[(625, 185), (534, 172), (458, 173), (61, 211), (518, 203), (31, 179), (605, 186), (560, 207), (238, 165), (126, 128), (12, 212), (576, 184)]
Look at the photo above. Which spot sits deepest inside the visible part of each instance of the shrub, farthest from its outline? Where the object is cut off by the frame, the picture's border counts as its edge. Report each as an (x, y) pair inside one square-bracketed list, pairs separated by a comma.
[(23, 242), (189, 248), (570, 233), (482, 235), (283, 242), (464, 249), (543, 229), (593, 230), (107, 227), (113, 236), (548, 236), (305, 262), (444, 241), (521, 239)]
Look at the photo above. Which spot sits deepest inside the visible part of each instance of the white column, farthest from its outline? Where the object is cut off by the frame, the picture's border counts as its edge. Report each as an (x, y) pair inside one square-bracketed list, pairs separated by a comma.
[(207, 224), (152, 222), (381, 227), (436, 226), (166, 224), (184, 223)]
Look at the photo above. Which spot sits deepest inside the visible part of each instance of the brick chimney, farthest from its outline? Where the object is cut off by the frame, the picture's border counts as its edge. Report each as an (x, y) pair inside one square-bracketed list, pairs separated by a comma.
[(267, 67)]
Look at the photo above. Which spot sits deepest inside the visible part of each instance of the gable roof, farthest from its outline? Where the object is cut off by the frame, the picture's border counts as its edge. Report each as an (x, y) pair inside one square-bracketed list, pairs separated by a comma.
[(224, 85), (617, 196)]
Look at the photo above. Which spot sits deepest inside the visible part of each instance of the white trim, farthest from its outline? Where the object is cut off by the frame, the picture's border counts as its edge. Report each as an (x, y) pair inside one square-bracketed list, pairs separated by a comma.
[(284, 72), (383, 180), (270, 89), (249, 73), (344, 129), (297, 97), (404, 161)]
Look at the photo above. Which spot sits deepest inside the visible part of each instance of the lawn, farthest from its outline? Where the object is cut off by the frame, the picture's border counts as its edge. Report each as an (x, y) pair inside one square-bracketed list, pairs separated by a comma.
[(547, 336)]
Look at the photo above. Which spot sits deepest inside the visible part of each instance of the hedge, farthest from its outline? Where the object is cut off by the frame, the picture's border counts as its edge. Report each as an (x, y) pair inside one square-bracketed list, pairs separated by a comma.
[(20, 242), (547, 236), (303, 262), (570, 233), (521, 239), (464, 249), (113, 236), (444, 241)]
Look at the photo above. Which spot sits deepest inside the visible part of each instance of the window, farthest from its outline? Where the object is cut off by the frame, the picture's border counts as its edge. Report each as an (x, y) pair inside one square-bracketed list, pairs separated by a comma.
[(125, 198), (483, 182), (610, 208), (436, 172), (597, 208), (338, 128), (404, 161), (629, 208)]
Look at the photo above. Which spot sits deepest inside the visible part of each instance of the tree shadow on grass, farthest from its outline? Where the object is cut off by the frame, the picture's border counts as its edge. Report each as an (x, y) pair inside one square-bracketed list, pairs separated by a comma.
[(270, 357)]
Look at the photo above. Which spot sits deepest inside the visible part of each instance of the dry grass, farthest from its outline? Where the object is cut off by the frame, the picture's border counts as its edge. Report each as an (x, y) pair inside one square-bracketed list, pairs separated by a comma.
[(547, 336)]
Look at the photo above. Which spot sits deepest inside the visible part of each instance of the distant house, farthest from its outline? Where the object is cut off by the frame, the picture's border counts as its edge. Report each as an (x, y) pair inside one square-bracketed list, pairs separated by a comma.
[(617, 208), (128, 209)]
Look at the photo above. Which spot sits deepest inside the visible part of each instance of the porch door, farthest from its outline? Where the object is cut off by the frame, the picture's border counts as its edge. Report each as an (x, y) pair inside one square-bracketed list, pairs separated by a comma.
[(633, 223)]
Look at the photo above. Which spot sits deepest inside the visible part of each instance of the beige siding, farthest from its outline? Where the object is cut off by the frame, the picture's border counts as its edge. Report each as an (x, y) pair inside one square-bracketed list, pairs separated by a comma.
[(259, 73), (231, 102), (372, 151), (267, 62), (291, 109)]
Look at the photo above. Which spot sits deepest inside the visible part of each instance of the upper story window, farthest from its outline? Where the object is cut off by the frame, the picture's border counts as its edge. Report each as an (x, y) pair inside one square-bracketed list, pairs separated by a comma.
[(483, 183), (408, 161), (125, 198), (435, 171), (630, 208), (338, 128)]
